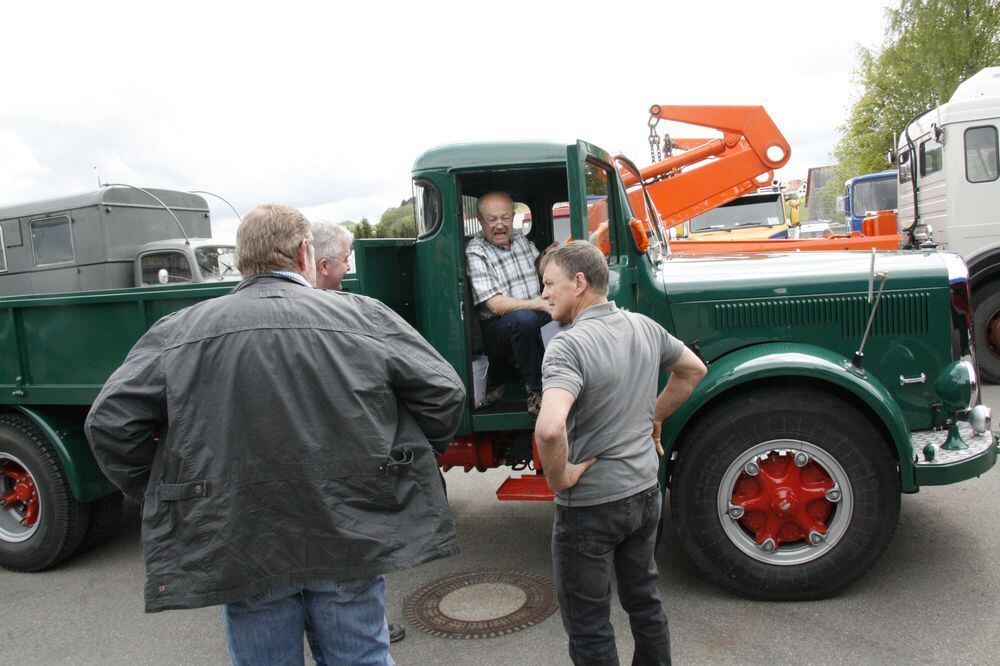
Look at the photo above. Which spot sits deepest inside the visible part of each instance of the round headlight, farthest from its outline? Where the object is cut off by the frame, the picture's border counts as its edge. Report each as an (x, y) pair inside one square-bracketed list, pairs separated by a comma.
[(957, 386)]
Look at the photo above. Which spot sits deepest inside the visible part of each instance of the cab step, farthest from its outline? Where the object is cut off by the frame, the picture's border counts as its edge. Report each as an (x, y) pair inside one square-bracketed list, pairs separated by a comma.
[(528, 487)]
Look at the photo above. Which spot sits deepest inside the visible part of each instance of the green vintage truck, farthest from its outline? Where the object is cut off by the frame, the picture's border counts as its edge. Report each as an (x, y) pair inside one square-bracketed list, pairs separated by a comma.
[(837, 381)]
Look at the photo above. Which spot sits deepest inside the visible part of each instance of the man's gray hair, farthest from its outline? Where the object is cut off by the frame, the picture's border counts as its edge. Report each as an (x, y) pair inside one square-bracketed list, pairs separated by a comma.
[(268, 239), (330, 239), (581, 257)]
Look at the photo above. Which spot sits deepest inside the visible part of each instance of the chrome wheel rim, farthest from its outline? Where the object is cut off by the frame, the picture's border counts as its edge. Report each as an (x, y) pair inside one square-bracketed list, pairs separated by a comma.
[(785, 502)]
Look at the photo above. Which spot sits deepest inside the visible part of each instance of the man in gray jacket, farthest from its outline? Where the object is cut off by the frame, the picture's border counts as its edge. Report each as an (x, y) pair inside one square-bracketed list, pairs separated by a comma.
[(282, 441)]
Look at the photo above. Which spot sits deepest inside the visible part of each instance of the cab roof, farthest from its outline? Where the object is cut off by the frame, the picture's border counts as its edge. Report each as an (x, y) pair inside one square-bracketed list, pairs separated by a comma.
[(490, 154)]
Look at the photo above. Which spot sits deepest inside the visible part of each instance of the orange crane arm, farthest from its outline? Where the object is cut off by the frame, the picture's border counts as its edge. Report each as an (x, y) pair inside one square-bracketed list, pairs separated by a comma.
[(750, 149)]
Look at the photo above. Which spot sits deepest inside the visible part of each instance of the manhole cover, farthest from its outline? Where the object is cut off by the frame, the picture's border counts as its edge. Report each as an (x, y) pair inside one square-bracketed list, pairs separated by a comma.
[(481, 604)]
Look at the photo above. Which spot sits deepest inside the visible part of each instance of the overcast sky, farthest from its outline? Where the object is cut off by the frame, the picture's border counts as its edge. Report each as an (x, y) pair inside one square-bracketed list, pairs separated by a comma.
[(325, 109)]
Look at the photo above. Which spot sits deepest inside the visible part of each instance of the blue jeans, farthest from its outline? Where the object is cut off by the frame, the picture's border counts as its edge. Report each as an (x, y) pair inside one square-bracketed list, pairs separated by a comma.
[(514, 337), (586, 542), (347, 619)]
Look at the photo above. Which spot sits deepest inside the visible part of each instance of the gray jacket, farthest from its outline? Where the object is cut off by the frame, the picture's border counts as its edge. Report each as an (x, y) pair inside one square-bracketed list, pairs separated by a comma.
[(277, 435)]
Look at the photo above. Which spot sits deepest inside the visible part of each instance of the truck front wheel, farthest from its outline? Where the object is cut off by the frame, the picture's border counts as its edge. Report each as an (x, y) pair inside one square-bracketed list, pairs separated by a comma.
[(41, 523), (986, 331), (785, 494)]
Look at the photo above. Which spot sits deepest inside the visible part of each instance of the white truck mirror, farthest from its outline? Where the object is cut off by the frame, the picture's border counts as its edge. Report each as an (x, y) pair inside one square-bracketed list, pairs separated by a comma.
[(162, 276)]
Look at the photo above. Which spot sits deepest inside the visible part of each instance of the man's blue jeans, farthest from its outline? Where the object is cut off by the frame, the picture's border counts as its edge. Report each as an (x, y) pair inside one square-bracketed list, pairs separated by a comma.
[(514, 337), (586, 543), (346, 617)]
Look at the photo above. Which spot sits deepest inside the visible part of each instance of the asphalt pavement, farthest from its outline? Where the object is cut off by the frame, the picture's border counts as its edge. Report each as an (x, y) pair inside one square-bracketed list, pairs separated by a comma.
[(931, 599)]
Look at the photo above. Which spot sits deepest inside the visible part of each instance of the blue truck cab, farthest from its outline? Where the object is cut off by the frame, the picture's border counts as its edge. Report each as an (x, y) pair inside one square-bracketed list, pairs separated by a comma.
[(868, 193)]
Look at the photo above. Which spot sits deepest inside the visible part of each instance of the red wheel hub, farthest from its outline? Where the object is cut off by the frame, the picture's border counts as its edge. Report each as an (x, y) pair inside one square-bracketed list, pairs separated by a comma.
[(22, 493), (782, 501)]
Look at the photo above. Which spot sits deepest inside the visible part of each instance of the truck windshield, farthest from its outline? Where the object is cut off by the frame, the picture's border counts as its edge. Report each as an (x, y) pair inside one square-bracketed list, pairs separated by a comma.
[(217, 261), (873, 195), (738, 214)]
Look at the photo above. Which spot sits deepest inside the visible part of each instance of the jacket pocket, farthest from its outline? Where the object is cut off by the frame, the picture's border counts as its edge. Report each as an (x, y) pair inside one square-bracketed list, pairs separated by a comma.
[(173, 492)]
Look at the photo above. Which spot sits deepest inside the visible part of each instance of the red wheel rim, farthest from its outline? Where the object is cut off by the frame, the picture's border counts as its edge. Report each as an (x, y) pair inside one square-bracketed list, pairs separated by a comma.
[(20, 507), (784, 502)]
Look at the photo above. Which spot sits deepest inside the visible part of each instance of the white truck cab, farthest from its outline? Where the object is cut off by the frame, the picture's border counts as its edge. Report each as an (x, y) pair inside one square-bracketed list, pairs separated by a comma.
[(949, 195)]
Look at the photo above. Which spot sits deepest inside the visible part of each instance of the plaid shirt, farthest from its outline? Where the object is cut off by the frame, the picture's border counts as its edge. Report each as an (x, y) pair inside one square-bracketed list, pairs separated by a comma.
[(497, 270)]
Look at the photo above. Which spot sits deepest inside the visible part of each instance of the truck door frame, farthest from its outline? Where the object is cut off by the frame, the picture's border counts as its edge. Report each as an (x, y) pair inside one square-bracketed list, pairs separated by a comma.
[(622, 283)]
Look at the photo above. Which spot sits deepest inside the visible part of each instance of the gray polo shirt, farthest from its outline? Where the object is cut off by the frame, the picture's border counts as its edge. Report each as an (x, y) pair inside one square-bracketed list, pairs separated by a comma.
[(610, 360)]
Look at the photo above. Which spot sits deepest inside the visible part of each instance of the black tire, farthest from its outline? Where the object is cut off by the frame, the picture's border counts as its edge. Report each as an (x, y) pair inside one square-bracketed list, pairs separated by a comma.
[(61, 522), (986, 331), (105, 518), (770, 428)]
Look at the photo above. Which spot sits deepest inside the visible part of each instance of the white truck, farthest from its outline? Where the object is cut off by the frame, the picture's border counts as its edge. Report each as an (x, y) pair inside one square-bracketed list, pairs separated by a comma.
[(949, 196)]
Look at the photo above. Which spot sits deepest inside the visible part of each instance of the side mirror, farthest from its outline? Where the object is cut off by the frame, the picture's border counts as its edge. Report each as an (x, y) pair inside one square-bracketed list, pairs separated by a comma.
[(162, 276), (794, 214), (890, 156)]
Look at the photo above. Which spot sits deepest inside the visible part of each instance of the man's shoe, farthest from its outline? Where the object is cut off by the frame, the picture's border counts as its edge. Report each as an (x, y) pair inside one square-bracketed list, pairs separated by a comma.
[(534, 403), (492, 395), (397, 632)]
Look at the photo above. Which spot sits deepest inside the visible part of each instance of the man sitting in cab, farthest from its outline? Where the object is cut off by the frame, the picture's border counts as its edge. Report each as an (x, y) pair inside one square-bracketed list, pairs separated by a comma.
[(504, 281)]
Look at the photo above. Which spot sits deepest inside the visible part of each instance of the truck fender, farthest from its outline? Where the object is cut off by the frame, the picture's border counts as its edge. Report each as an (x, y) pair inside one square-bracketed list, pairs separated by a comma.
[(790, 360), (63, 428), (984, 265)]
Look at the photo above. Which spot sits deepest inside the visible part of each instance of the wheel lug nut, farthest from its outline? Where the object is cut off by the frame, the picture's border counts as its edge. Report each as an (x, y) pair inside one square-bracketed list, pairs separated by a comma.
[(833, 494), (816, 538), (752, 468), (801, 459), (768, 546), (735, 511)]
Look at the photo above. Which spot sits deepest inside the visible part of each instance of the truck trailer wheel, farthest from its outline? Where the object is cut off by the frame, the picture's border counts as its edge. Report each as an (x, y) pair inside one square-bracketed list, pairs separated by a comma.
[(41, 523), (986, 325), (786, 494)]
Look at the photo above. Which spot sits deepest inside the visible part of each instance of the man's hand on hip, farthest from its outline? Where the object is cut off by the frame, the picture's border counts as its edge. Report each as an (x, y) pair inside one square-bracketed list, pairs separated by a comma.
[(572, 472)]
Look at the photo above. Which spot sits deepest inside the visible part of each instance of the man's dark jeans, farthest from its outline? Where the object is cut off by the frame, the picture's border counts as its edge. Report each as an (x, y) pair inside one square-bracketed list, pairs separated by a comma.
[(514, 337), (586, 542)]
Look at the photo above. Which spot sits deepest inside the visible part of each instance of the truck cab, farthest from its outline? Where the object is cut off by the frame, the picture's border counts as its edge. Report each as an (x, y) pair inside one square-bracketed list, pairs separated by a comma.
[(185, 261), (759, 215), (949, 195), (868, 194)]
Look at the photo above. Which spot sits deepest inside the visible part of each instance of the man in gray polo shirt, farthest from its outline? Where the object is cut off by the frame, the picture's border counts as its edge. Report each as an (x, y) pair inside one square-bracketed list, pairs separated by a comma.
[(598, 437)]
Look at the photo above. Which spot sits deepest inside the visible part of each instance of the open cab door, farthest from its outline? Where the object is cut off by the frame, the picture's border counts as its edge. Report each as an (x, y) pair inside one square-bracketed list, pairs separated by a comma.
[(622, 224)]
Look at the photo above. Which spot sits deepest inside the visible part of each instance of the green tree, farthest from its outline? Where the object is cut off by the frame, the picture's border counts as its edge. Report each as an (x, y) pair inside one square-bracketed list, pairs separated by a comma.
[(398, 222), (363, 229), (929, 47)]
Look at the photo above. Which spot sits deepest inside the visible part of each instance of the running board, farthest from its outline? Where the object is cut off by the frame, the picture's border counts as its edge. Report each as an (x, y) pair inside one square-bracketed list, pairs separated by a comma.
[(529, 487)]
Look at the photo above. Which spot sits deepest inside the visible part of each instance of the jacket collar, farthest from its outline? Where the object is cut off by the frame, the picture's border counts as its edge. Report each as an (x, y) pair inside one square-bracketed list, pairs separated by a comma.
[(294, 278)]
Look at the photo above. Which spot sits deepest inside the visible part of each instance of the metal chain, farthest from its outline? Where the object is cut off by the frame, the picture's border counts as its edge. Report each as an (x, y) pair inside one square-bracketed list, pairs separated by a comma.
[(654, 141)]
